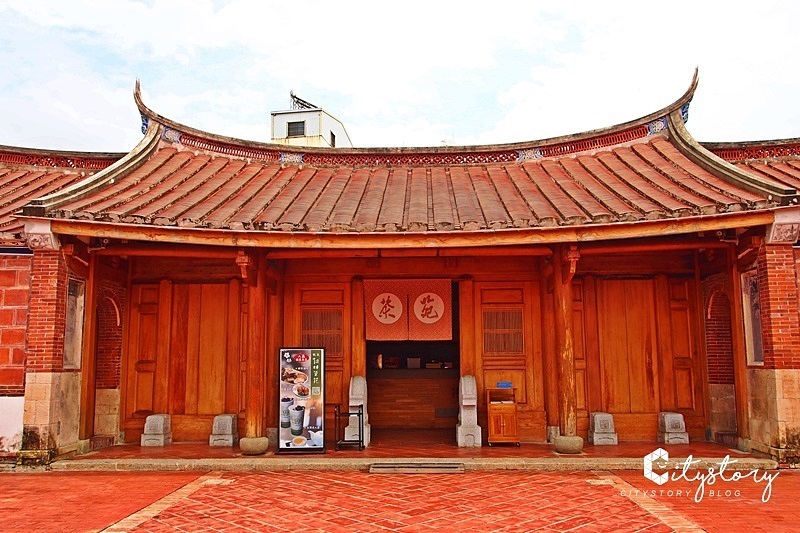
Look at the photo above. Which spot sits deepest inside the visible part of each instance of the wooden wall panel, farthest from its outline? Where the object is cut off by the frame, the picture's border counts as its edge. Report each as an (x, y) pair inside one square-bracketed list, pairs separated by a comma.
[(579, 347), (179, 351), (192, 377)]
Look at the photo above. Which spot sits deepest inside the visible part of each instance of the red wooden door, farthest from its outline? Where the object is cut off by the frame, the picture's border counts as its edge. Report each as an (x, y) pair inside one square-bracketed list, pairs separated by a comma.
[(147, 355), (628, 348)]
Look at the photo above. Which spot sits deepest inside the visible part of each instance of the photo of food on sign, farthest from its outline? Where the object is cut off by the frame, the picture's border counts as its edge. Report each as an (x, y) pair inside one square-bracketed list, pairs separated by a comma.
[(301, 400)]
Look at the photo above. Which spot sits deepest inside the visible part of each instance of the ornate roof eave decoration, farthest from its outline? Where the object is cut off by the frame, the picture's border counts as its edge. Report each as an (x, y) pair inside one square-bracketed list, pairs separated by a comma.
[(652, 124), (128, 163), (736, 152), (775, 192), (408, 240), (76, 161)]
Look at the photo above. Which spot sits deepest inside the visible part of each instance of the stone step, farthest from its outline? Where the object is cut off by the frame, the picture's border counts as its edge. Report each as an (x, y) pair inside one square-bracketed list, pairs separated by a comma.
[(416, 468)]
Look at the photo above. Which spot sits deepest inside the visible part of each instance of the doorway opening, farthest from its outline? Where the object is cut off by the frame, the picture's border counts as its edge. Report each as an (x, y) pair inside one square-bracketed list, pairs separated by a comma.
[(413, 385)]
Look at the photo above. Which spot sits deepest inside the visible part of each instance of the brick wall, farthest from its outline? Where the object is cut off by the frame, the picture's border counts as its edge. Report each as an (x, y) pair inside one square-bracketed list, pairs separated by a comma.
[(110, 303), (780, 318), (719, 348), (47, 313), (14, 293)]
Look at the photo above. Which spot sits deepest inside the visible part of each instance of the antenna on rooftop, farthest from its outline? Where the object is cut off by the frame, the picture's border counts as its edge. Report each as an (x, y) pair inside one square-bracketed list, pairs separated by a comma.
[(299, 103)]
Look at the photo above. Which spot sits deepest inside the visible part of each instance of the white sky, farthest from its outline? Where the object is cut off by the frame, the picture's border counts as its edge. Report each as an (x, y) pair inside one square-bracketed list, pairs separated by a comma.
[(411, 73)]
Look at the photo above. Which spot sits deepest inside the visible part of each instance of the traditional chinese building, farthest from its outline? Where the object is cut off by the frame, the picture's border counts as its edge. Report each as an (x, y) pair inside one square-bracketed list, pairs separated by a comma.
[(627, 270)]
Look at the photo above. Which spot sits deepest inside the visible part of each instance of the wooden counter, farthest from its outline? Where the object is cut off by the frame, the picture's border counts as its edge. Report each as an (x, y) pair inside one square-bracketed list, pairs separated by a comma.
[(413, 398)]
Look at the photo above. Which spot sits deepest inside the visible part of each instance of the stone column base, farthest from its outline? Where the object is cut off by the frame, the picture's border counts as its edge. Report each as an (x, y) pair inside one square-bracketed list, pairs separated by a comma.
[(564, 444), (35, 457)]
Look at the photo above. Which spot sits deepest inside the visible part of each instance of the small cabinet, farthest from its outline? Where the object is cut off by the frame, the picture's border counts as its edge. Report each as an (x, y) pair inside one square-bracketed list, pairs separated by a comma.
[(501, 409)]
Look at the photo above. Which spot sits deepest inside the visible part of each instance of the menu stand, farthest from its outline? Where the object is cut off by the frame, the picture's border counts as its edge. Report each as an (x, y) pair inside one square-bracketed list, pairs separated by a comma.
[(349, 442)]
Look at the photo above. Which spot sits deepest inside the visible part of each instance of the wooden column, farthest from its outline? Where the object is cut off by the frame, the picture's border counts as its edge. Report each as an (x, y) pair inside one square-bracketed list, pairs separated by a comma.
[(256, 316), (466, 317), (89, 352), (562, 293), (739, 348), (549, 347), (358, 340)]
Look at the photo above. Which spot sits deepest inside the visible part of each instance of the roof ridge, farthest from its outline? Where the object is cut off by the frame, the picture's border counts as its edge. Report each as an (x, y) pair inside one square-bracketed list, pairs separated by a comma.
[(379, 156)]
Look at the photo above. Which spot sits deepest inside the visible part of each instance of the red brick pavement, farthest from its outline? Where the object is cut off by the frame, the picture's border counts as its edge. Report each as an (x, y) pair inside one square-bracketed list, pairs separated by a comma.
[(80, 501), (723, 509), (358, 501)]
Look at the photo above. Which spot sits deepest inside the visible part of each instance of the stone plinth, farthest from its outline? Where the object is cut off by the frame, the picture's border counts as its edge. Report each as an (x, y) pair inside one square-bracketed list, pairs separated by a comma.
[(157, 431), (468, 432), (601, 429), (672, 428), (225, 431), (254, 445), (564, 444)]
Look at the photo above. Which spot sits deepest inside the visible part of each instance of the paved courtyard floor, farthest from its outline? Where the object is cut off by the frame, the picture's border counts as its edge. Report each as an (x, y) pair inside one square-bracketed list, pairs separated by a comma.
[(309, 501)]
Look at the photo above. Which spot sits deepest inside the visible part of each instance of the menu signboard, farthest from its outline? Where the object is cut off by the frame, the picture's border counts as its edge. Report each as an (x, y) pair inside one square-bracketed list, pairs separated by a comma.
[(301, 400)]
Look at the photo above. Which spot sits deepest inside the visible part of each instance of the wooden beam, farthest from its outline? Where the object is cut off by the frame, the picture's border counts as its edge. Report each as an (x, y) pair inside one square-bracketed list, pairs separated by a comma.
[(162, 250), (739, 347), (474, 251), (567, 400), (450, 239), (652, 245), (88, 353)]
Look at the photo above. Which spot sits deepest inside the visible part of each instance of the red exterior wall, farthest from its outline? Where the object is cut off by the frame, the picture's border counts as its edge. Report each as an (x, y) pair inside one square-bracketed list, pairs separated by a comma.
[(719, 348), (110, 303), (46, 322), (780, 317), (14, 293)]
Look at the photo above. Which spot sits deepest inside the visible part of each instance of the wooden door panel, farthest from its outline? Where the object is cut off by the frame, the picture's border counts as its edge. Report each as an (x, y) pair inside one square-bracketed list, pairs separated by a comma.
[(681, 358), (184, 354), (142, 353), (641, 335), (626, 324), (213, 343), (613, 340)]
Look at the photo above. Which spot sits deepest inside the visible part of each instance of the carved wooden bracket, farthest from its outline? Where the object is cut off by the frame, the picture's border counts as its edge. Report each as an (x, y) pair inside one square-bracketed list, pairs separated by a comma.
[(247, 266), (571, 256)]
